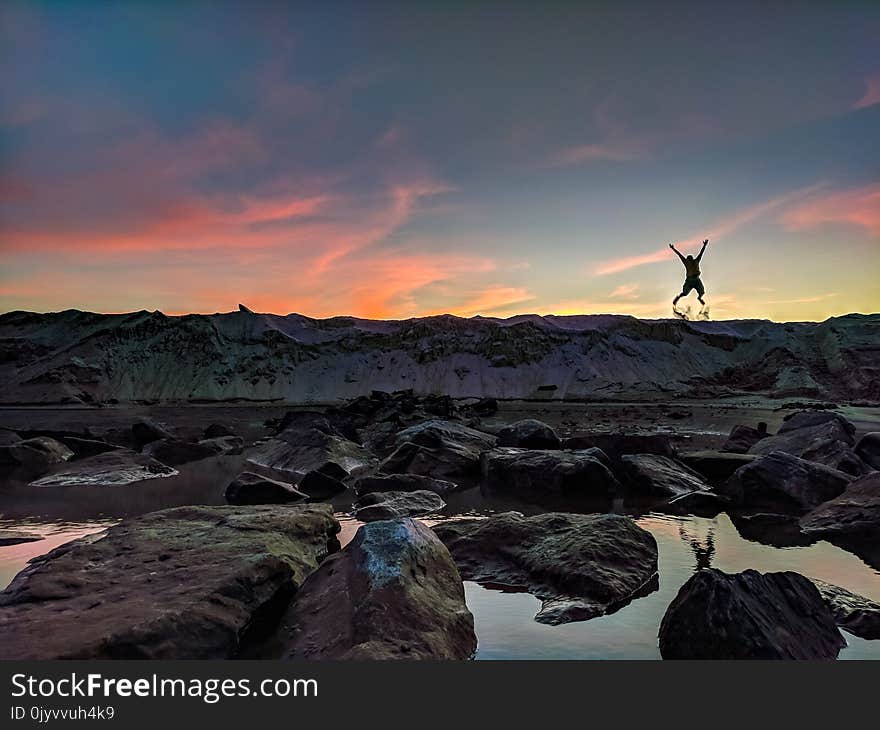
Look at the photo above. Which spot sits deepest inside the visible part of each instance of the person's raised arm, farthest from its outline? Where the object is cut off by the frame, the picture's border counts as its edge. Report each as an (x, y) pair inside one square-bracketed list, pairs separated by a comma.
[(672, 246), (700, 255)]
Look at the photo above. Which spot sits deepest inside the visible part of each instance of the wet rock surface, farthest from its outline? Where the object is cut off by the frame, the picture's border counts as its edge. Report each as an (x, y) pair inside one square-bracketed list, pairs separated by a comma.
[(299, 451), (540, 475), (391, 505), (661, 476), (402, 483), (749, 615), (251, 488), (868, 449), (780, 479), (37, 455), (393, 592), (853, 612), (184, 583), (529, 434), (581, 566), (175, 452), (116, 468), (715, 465)]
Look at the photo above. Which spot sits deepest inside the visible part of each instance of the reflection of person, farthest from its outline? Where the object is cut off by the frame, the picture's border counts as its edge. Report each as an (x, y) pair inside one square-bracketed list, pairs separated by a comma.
[(692, 274), (702, 553)]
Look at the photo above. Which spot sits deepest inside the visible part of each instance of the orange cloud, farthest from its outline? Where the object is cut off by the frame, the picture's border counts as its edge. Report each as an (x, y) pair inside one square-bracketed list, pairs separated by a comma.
[(856, 206), (625, 291)]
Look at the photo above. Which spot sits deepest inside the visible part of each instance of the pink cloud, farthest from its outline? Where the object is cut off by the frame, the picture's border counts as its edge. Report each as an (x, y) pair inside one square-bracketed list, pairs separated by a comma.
[(856, 207), (871, 95), (625, 291)]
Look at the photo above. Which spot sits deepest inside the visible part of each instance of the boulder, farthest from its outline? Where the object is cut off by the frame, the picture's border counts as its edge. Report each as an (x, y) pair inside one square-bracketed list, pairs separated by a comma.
[(250, 488), (436, 434), (715, 465), (320, 485), (37, 455), (539, 474), (748, 615), (853, 514), (661, 476), (392, 593), (298, 452), (580, 566), (183, 583), (402, 483), (702, 503), (390, 505), (483, 407), (868, 449), (14, 537), (115, 468), (855, 613), (770, 528), (440, 449), (742, 438), (818, 436), (617, 445), (224, 445), (217, 431), (782, 480), (529, 434), (85, 447), (175, 452), (148, 429)]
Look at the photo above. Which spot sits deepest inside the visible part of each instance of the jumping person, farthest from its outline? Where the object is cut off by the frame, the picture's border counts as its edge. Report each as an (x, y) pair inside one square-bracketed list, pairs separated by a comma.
[(692, 274)]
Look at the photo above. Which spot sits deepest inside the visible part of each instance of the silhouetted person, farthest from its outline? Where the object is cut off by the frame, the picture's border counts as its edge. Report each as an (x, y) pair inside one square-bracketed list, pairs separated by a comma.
[(692, 276)]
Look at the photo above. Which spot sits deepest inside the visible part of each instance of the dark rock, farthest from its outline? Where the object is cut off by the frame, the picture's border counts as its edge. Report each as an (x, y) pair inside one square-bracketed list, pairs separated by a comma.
[(618, 444), (390, 505), (83, 447), (115, 468), (868, 449), (402, 483), (661, 476), (319, 485), (183, 583), (714, 464), (14, 537), (819, 436), (392, 593), (589, 564), (298, 452), (783, 480), (529, 434), (436, 434), (749, 615), (250, 488), (147, 430), (855, 613), (175, 452), (224, 445), (217, 431), (483, 407), (37, 455), (8, 438), (535, 474), (440, 449), (769, 528), (854, 514), (704, 504), (742, 438)]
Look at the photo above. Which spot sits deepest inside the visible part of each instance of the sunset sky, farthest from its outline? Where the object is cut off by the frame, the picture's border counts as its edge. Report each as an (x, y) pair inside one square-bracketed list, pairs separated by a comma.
[(401, 159)]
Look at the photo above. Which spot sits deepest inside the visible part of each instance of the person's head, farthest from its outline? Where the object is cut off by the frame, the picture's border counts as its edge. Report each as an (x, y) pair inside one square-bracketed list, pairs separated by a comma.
[(689, 257)]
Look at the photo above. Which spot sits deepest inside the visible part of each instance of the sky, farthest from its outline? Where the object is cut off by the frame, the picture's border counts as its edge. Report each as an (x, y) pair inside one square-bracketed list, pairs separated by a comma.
[(391, 160)]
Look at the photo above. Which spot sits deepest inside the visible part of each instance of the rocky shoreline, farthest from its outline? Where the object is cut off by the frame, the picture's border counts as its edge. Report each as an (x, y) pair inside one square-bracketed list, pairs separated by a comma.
[(268, 570)]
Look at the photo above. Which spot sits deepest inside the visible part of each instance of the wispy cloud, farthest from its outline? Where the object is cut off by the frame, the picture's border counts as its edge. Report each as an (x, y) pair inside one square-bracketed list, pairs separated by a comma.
[(855, 206), (717, 230), (871, 95), (625, 291), (805, 300)]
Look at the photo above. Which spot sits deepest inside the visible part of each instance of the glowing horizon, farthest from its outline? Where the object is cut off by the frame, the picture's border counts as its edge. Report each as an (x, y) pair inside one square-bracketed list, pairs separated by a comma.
[(413, 161)]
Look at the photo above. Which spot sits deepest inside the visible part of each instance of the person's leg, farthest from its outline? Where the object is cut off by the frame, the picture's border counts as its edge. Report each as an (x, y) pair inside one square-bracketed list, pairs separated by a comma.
[(698, 285), (685, 290)]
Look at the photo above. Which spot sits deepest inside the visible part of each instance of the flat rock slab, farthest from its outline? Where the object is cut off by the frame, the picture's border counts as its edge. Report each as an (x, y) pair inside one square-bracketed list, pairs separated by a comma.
[(183, 583), (391, 505), (780, 479), (13, 537), (714, 464), (538, 474), (581, 566), (111, 469), (661, 476), (749, 615), (393, 592), (402, 483), (174, 452), (855, 613), (854, 513), (299, 451)]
